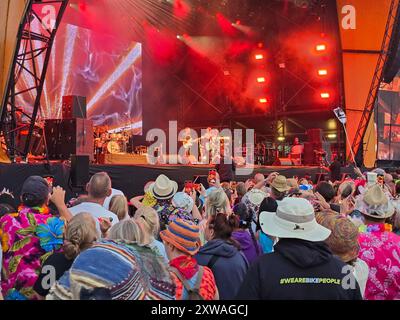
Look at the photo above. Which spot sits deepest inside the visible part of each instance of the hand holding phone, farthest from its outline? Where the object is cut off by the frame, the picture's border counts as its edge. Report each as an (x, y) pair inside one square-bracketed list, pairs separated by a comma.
[(50, 180), (188, 187)]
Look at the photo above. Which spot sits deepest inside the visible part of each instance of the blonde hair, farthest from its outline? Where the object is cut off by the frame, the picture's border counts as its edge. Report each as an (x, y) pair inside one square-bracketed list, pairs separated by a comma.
[(148, 218), (127, 230), (80, 234), (217, 202), (119, 206)]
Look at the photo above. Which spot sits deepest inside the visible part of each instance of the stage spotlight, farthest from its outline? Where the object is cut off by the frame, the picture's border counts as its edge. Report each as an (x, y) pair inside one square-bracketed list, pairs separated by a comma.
[(261, 79), (179, 37), (320, 47), (281, 138), (259, 56), (263, 100), (332, 136), (325, 95), (322, 72)]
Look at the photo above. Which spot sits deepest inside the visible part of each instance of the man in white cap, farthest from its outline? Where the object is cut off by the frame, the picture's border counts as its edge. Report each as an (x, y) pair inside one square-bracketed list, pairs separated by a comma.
[(301, 267)]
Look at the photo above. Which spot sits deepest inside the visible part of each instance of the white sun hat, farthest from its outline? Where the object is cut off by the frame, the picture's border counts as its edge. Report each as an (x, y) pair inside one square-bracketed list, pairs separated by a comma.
[(294, 218), (163, 188)]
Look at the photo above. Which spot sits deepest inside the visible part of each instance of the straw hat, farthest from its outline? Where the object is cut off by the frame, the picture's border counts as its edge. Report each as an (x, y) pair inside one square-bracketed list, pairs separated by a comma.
[(163, 188), (294, 218), (377, 203), (255, 196), (280, 184)]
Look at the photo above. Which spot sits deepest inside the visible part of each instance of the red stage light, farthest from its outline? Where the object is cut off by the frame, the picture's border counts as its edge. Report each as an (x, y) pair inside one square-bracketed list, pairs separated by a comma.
[(325, 95), (259, 56), (238, 22), (82, 6), (260, 45), (320, 47), (322, 72), (260, 79), (263, 100), (226, 25)]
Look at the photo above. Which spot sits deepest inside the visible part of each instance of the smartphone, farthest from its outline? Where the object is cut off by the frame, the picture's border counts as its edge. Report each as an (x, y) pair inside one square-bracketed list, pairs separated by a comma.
[(50, 180)]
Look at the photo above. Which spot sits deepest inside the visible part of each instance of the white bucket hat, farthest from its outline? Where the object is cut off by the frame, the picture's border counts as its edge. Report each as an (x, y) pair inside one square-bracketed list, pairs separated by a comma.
[(163, 188), (255, 196), (294, 218)]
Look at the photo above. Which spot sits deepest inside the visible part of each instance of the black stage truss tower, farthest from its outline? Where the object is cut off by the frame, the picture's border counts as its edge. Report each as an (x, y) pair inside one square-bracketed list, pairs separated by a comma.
[(36, 33)]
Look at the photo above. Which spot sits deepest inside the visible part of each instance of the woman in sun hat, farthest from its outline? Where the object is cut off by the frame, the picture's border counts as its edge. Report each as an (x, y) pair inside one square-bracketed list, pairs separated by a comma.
[(163, 190), (301, 266), (379, 246), (182, 242), (343, 242)]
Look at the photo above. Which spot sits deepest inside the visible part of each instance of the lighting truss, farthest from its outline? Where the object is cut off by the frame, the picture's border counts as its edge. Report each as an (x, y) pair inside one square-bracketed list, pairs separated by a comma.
[(36, 33), (393, 19)]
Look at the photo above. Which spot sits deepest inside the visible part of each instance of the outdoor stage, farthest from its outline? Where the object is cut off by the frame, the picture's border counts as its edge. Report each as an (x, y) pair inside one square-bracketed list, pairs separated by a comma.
[(130, 178)]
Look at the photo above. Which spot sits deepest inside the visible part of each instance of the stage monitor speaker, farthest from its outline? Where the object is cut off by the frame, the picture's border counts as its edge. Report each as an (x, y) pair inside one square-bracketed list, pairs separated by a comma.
[(69, 136), (79, 171), (314, 136), (73, 107), (308, 154)]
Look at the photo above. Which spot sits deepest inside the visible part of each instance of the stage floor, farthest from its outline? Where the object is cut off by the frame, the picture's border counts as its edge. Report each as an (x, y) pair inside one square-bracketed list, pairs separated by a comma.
[(131, 178)]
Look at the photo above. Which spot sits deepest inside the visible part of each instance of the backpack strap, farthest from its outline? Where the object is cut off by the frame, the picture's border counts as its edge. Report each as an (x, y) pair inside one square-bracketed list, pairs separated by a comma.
[(186, 283)]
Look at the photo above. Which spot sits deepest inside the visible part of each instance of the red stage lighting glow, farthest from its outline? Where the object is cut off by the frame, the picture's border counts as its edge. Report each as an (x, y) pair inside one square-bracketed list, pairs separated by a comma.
[(181, 9), (259, 56), (320, 47), (225, 24), (322, 72), (263, 100), (238, 22), (325, 95), (260, 79)]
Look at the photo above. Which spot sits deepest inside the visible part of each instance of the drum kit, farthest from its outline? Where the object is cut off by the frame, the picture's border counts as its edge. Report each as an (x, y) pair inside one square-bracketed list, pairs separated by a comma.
[(110, 143)]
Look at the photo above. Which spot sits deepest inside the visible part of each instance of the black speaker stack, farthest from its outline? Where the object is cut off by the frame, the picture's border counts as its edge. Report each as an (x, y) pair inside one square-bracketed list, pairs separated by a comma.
[(71, 138)]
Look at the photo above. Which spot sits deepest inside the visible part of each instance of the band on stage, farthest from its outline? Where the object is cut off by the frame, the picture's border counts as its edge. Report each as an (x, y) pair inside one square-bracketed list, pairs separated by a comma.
[(208, 146)]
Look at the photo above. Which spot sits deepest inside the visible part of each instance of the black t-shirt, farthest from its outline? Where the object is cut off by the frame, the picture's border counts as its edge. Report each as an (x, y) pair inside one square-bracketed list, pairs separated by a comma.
[(60, 263)]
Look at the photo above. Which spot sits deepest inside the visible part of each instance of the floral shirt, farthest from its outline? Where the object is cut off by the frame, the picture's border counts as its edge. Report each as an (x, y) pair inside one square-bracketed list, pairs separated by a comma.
[(28, 238), (380, 249), (167, 213)]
